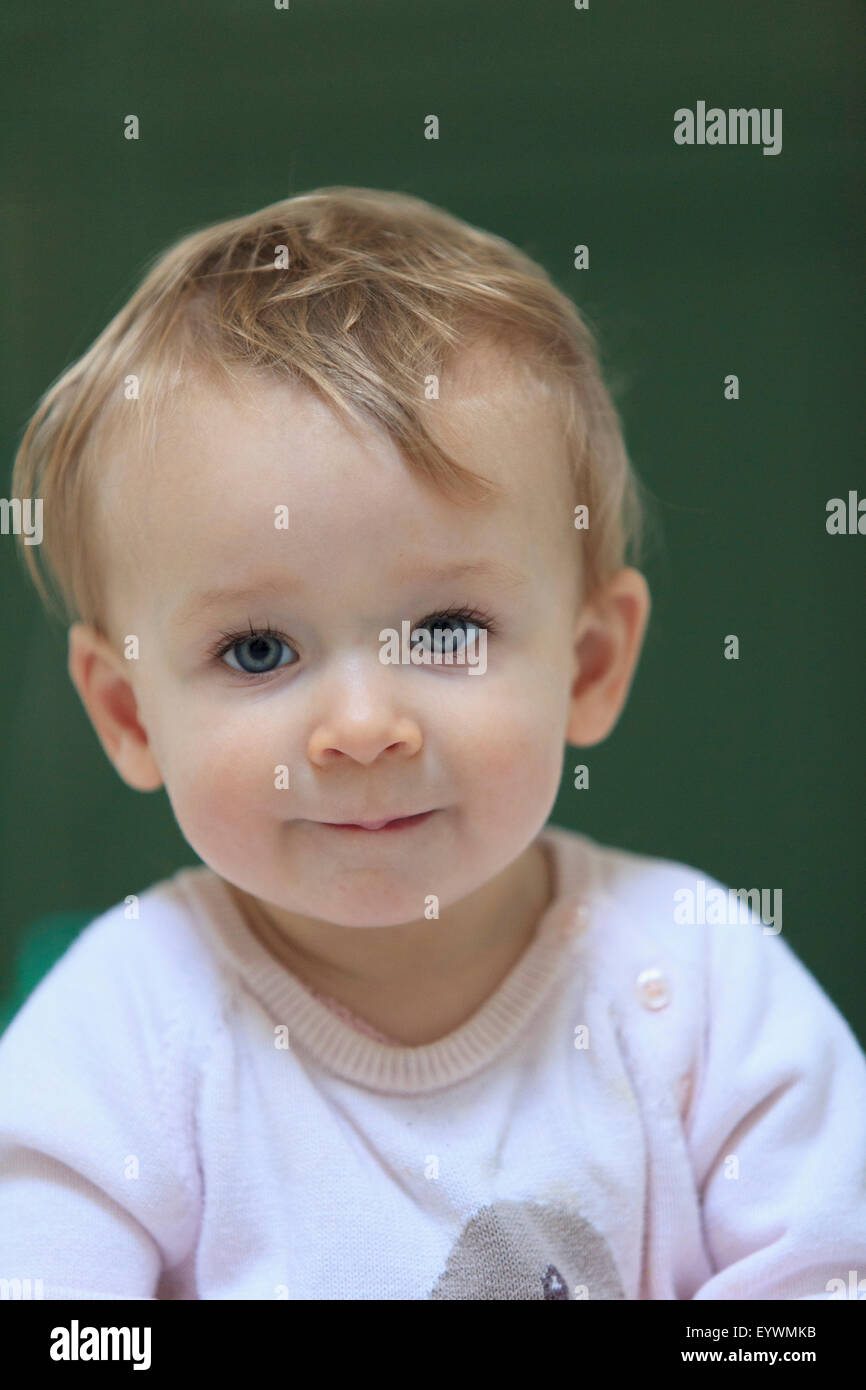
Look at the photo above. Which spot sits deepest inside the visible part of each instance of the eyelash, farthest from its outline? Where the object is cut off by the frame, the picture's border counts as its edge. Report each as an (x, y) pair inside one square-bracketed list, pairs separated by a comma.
[(227, 640)]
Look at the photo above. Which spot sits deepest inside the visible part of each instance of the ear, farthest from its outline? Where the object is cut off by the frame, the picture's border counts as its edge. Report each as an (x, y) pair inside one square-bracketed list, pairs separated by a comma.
[(101, 678), (607, 643)]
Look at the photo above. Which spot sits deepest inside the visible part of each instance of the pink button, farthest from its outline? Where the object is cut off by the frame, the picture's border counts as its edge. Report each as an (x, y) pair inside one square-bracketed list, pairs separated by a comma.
[(653, 989)]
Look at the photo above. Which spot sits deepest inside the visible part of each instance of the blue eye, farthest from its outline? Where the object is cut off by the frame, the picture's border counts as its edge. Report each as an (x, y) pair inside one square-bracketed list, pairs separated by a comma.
[(454, 619), (256, 654), (440, 626)]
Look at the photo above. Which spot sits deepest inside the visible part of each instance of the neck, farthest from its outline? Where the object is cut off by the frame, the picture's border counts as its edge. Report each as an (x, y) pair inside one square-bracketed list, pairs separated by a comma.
[(477, 935)]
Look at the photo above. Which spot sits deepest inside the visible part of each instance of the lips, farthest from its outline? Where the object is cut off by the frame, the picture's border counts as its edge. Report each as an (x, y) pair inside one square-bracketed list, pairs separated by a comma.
[(373, 824), (395, 823)]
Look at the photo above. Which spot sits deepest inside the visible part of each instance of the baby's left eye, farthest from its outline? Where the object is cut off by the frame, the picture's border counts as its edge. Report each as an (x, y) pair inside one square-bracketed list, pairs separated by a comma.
[(257, 654), (446, 629), (451, 631)]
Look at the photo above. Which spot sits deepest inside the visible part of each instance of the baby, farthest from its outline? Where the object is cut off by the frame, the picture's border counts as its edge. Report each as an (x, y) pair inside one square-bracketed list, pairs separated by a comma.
[(396, 1037)]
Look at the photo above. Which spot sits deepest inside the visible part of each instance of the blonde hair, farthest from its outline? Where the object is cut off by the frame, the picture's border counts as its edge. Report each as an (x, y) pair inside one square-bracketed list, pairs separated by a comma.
[(379, 291)]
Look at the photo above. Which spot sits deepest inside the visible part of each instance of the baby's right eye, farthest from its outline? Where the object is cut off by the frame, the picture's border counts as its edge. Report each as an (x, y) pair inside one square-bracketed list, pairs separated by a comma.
[(256, 653)]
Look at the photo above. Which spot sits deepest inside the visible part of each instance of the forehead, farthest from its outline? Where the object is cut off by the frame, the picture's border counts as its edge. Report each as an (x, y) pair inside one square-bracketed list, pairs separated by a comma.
[(201, 505)]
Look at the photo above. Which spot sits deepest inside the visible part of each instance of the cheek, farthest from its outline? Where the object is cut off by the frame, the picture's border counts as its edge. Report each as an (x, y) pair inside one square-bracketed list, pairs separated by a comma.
[(219, 765), (509, 750)]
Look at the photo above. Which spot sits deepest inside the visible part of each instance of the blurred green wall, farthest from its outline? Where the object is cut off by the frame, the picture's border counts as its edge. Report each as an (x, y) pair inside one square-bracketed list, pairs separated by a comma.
[(556, 128)]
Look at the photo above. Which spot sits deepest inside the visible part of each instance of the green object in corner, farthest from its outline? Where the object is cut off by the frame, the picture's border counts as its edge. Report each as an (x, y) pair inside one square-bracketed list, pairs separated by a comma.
[(41, 944)]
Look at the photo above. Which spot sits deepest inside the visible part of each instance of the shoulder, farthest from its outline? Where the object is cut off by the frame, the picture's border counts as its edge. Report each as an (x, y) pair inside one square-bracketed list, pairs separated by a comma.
[(669, 932), (660, 931), (633, 900), (101, 1066), (142, 969)]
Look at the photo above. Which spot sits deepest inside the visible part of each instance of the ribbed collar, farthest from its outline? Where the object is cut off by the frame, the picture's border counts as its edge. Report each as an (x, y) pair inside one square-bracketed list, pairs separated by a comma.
[(352, 1055)]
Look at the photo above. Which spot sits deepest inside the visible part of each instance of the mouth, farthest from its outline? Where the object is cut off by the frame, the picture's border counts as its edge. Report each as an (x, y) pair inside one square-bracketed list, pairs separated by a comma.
[(375, 826)]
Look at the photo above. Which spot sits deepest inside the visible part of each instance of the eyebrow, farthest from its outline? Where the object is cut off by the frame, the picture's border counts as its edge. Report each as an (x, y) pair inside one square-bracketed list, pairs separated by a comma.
[(198, 604)]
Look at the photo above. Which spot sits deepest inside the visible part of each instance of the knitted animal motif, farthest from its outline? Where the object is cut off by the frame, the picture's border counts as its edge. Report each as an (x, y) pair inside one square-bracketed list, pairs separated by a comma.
[(529, 1250)]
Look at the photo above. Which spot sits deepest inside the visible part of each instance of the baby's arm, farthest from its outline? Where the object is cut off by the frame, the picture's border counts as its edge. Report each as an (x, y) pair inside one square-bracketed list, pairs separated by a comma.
[(96, 1196), (777, 1130)]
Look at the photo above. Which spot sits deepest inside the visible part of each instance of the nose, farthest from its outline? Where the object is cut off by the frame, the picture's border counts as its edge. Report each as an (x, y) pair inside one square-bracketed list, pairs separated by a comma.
[(362, 725)]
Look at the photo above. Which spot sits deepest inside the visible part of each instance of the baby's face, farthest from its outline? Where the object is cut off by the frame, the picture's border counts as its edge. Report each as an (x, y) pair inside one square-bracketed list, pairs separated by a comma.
[(368, 547)]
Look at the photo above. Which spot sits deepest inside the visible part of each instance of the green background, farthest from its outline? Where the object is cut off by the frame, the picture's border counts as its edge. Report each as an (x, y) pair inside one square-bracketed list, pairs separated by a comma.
[(556, 129)]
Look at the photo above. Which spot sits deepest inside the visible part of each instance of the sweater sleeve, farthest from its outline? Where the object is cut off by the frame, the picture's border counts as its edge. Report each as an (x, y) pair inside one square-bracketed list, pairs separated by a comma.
[(777, 1131), (97, 1186)]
